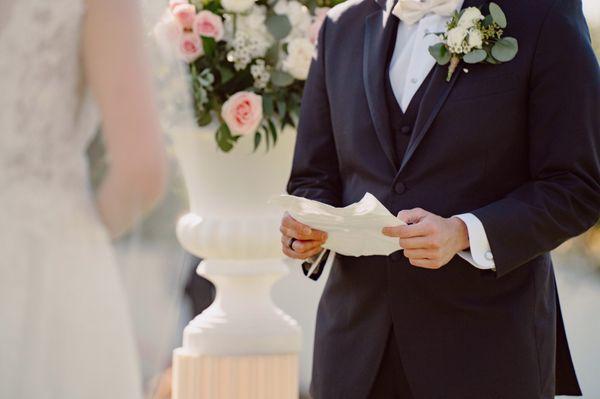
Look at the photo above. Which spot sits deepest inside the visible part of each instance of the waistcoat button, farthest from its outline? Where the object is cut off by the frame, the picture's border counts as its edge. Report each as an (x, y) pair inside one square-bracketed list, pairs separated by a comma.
[(405, 129), (400, 187)]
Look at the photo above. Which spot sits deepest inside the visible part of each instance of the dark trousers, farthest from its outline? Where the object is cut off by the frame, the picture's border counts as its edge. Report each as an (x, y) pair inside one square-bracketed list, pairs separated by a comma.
[(390, 382)]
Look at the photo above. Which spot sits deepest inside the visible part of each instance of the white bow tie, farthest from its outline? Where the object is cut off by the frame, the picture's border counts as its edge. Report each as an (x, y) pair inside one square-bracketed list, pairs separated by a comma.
[(411, 11)]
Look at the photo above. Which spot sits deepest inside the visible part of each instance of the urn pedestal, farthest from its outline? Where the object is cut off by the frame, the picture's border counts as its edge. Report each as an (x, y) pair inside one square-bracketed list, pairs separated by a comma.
[(243, 345)]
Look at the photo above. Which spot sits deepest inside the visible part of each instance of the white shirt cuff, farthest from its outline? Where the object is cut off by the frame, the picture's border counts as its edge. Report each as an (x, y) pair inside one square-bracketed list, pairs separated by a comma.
[(480, 254)]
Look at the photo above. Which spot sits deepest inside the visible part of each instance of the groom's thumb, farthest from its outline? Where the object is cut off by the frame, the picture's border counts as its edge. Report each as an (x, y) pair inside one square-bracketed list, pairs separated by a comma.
[(411, 216)]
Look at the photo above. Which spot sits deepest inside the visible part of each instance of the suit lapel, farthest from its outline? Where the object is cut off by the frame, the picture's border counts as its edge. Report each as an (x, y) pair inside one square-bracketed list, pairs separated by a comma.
[(433, 100), (379, 31)]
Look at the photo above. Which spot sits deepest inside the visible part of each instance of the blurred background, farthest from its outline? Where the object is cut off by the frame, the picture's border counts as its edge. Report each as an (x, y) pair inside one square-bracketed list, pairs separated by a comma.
[(165, 293)]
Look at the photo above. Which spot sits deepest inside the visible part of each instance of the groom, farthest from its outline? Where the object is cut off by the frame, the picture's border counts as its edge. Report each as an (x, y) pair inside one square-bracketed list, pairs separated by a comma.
[(491, 170)]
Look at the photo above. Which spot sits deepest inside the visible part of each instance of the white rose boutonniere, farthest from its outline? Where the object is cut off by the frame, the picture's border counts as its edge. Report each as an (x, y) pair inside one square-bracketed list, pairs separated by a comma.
[(473, 38)]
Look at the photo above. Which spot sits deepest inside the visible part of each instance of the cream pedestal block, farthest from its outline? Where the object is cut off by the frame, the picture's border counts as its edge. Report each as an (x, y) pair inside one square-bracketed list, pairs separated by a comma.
[(242, 346), (243, 377)]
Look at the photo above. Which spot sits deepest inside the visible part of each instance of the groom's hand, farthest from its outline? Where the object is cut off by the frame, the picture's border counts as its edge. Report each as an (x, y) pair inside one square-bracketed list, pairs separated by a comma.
[(429, 241), (305, 241)]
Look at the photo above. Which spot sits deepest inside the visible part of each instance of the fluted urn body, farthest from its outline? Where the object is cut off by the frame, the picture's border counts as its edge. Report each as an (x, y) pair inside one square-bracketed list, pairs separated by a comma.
[(242, 345)]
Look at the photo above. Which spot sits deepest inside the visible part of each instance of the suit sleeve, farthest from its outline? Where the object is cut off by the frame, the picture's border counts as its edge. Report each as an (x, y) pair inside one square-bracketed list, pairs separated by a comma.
[(315, 173), (562, 198)]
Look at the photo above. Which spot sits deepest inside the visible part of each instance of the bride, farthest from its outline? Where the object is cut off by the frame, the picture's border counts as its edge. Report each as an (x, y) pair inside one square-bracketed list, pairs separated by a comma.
[(65, 331)]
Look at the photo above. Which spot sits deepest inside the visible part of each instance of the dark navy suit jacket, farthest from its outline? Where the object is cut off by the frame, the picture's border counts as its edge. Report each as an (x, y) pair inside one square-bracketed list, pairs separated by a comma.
[(516, 144)]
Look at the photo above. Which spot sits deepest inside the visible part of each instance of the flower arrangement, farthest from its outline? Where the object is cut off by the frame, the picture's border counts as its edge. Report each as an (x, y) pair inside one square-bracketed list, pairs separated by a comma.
[(248, 60), (473, 38)]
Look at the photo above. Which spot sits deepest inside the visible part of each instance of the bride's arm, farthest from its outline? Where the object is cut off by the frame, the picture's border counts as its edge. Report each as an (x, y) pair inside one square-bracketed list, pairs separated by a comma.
[(118, 72)]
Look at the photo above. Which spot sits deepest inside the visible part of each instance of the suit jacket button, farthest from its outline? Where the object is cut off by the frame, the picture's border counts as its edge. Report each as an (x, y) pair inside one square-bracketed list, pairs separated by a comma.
[(400, 188), (405, 129)]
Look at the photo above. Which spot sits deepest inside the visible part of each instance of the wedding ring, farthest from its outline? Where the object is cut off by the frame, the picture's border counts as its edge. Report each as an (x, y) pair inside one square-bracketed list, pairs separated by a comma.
[(291, 244)]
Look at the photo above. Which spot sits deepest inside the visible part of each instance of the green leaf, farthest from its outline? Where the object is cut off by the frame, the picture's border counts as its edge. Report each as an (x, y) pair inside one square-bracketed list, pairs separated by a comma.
[(209, 45), (226, 73), (491, 60), (279, 26), (440, 53), (488, 20), (281, 108), (475, 57), (225, 140), (281, 79), (204, 119), (273, 130), (498, 15), (267, 137), (272, 55), (505, 49), (268, 108), (257, 138)]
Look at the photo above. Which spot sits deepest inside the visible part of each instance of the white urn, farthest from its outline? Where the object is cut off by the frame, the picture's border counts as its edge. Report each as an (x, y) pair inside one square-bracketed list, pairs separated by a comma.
[(243, 345)]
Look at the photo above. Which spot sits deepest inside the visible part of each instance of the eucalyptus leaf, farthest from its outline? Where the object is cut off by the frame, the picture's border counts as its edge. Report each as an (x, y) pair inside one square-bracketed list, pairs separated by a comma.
[(491, 60), (440, 53), (281, 79), (475, 57), (505, 49), (498, 15), (279, 26)]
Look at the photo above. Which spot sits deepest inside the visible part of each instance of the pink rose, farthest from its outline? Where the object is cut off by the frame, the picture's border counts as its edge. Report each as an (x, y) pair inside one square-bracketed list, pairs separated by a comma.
[(185, 14), (313, 31), (173, 3), (208, 24), (242, 112), (190, 47)]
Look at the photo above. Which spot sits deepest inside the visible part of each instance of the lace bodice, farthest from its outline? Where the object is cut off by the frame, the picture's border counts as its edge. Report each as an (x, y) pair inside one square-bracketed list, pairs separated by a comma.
[(46, 116)]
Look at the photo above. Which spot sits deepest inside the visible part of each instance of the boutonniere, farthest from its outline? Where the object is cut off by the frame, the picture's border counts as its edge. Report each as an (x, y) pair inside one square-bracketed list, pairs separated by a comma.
[(474, 38)]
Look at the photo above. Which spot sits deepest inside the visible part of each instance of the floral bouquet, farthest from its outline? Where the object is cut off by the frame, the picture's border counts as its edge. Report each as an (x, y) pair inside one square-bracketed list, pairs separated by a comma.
[(248, 60)]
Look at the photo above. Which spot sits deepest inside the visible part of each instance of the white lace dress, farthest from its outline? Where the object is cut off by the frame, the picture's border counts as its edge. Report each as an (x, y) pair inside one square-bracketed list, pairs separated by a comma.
[(65, 330)]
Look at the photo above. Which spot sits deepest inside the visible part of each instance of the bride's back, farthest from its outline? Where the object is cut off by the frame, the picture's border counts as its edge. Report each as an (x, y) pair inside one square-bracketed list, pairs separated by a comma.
[(46, 118), (65, 330)]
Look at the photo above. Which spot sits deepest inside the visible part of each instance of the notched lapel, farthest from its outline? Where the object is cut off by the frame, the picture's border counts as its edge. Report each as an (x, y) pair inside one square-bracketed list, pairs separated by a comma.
[(379, 31)]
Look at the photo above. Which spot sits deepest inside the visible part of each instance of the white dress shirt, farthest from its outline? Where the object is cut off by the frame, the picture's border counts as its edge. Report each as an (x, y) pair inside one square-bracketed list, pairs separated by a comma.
[(409, 66)]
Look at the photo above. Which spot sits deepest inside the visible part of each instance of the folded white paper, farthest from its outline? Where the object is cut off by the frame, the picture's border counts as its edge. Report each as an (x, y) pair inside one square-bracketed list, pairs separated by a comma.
[(354, 230)]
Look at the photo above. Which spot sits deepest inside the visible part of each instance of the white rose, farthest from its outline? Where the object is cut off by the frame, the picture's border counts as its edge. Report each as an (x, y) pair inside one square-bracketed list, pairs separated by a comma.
[(298, 15), (475, 38), (456, 37), (300, 54), (469, 17), (237, 6)]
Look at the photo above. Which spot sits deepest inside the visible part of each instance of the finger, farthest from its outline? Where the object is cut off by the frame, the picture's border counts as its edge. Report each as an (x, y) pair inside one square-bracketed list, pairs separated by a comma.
[(300, 246), (407, 231), (417, 243), (289, 253), (303, 247), (427, 254), (302, 256), (298, 230), (425, 263), (411, 216)]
